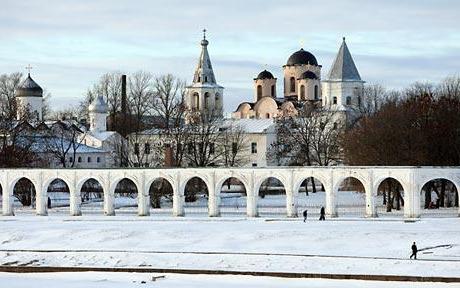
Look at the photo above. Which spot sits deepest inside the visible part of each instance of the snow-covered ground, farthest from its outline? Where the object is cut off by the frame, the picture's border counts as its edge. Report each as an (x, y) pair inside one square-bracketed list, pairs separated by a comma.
[(283, 245), (127, 280)]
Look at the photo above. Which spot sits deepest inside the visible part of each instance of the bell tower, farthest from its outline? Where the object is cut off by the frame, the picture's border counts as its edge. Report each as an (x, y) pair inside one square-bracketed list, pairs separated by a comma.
[(204, 95)]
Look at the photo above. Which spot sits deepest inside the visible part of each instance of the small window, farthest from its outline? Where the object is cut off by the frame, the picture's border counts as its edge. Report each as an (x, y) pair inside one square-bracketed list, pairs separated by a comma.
[(259, 92), (147, 148), (71, 159), (316, 92), (348, 100), (205, 79), (199, 79), (79, 159), (89, 159), (267, 115), (359, 100), (211, 148), (273, 90), (292, 82), (334, 100), (302, 92), (254, 147), (136, 148), (217, 97), (98, 159), (234, 148), (254, 164)]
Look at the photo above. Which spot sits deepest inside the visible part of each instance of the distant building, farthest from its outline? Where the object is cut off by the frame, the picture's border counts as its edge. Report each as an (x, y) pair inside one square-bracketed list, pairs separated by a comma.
[(51, 140), (340, 92)]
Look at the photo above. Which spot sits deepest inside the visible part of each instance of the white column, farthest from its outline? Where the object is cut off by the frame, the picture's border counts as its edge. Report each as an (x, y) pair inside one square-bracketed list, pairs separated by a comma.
[(178, 201), (412, 201), (331, 200), (109, 198), (291, 202), (213, 201), (143, 202), (251, 203), (41, 201), (75, 201), (371, 211), (7, 201)]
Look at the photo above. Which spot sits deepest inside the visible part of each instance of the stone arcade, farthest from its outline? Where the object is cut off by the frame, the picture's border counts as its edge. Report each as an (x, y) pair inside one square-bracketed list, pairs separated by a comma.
[(412, 180)]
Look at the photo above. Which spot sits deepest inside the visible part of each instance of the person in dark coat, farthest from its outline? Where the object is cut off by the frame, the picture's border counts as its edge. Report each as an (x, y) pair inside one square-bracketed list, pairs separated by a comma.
[(305, 214), (414, 251), (322, 214)]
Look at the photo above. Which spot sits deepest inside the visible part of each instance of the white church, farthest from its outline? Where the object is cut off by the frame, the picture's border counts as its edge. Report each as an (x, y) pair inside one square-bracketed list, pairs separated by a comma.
[(92, 148)]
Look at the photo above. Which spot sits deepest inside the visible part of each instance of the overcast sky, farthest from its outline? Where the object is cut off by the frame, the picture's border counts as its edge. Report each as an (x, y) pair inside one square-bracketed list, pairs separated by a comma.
[(71, 43)]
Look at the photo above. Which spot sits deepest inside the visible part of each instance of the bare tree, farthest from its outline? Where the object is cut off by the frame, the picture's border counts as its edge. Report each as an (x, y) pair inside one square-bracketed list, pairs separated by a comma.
[(140, 96), (233, 145), (62, 140)]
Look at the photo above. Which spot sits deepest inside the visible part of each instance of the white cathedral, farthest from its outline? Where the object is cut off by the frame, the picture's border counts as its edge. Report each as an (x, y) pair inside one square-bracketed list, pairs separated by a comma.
[(302, 83)]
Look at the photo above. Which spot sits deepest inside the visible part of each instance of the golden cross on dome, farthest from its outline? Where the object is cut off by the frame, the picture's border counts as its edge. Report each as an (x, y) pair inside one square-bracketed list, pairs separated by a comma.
[(204, 33)]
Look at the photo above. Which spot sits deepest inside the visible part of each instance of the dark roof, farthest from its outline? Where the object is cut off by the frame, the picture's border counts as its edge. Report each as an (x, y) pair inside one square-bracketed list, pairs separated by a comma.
[(265, 75), (29, 88), (308, 75), (302, 57), (344, 68)]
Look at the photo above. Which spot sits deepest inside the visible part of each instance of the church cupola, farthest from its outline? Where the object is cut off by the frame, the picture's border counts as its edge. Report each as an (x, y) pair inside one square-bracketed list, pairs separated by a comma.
[(204, 95), (299, 63), (97, 111), (29, 100), (264, 85)]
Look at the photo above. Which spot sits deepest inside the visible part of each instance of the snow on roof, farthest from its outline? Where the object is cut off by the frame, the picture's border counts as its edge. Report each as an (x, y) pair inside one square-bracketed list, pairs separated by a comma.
[(251, 125), (39, 145), (247, 125), (102, 136)]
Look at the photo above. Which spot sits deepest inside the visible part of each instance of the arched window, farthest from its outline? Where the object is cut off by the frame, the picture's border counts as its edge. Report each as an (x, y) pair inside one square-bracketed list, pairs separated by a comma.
[(302, 92), (316, 92), (334, 100), (205, 79), (217, 97), (273, 91), (259, 92), (196, 101), (206, 100), (348, 100), (292, 83), (267, 115)]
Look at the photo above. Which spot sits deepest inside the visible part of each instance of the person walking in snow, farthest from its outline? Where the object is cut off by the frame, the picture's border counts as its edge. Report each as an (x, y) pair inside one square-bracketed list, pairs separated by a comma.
[(322, 214), (305, 214), (414, 251)]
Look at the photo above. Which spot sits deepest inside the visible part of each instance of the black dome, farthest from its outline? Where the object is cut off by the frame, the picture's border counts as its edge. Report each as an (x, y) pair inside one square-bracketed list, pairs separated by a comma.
[(29, 88), (265, 75), (302, 57), (308, 75)]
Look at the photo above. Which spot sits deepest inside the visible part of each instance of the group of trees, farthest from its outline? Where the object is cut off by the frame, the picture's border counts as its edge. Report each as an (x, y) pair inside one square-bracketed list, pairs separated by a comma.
[(419, 126)]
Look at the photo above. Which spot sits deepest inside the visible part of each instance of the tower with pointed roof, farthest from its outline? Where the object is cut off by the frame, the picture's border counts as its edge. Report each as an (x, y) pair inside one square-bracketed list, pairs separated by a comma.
[(29, 100), (204, 95), (343, 87)]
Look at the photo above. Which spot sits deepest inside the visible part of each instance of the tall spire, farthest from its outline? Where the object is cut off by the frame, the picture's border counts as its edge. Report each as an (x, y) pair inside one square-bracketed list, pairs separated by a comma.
[(344, 68), (204, 73)]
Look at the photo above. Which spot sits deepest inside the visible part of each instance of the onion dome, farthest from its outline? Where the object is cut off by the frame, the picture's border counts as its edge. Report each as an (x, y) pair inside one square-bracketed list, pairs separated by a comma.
[(98, 105), (308, 75), (302, 57), (265, 75), (29, 88)]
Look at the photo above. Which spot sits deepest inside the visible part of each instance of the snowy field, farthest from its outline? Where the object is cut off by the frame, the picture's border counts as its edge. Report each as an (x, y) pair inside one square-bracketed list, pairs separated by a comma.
[(128, 280), (342, 246)]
